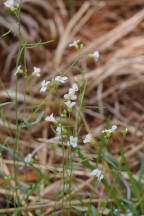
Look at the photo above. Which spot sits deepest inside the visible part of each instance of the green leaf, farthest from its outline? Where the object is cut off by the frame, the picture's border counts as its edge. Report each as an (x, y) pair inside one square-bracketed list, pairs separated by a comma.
[(38, 212), (12, 153), (85, 160), (57, 213), (4, 104), (5, 34), (135, 184), (111, 161), (79, 209), (120, 182), (38, 119), (93, 211), (130, 206), (30, 46), (28, 124), (141, 169)]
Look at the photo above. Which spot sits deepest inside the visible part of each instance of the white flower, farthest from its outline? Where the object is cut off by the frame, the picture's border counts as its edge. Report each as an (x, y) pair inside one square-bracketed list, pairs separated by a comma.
[(44, 85), (96, 55), (98, 174), (72, 141), (69, 104), (37, 71), (17, 70), (88, 138), (12, 3), (50, 118), (58, 130), (114, 127), (75, 87), (61, 79), (28, 158), (71, 94), (9, 3), (74, 43)]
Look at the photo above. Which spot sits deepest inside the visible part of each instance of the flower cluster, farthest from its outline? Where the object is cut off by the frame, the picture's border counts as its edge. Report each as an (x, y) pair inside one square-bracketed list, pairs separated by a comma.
[(71, 96), (98, 174), (114, 127), (72, 141), (36, 72), (44, 85), (50, 118), (58, 80), (95, 55), (61, 79), (88, 138), (11, 4), (28, 158), (18, 70), (74, 43)]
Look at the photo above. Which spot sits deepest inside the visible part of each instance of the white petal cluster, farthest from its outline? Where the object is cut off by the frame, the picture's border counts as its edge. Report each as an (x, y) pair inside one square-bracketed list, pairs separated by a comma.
[(96, 55), (72, 141), (44, 85), (37, 71), (74, 43), (98, 174), (114, 127), (9, 3), (50, 118), (12, 3), (69, 104), (17, 70), (88, 138), (28, 158), (61, 79), (71, 94), (60, 130)]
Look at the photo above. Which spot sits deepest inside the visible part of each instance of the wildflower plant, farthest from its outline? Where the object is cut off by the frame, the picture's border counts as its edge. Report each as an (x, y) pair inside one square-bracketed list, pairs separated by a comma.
[(71, 142)]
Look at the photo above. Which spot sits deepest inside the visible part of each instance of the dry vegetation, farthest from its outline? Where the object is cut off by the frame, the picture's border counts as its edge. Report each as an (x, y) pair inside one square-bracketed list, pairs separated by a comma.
[(115, 85)]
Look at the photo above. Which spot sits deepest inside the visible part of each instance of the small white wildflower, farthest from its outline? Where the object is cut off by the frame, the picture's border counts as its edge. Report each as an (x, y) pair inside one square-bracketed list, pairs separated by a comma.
[(98, 174), (71, 95), (44, 85), (12, 4), (114, 127), (18, 69), (28, 158), (50, 118), (36, 71), (72, 141), (58, 130), (96, 55), (88, 138), (69, 104), (61, 79), (75, 87), (74, 43), (9, 3)]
